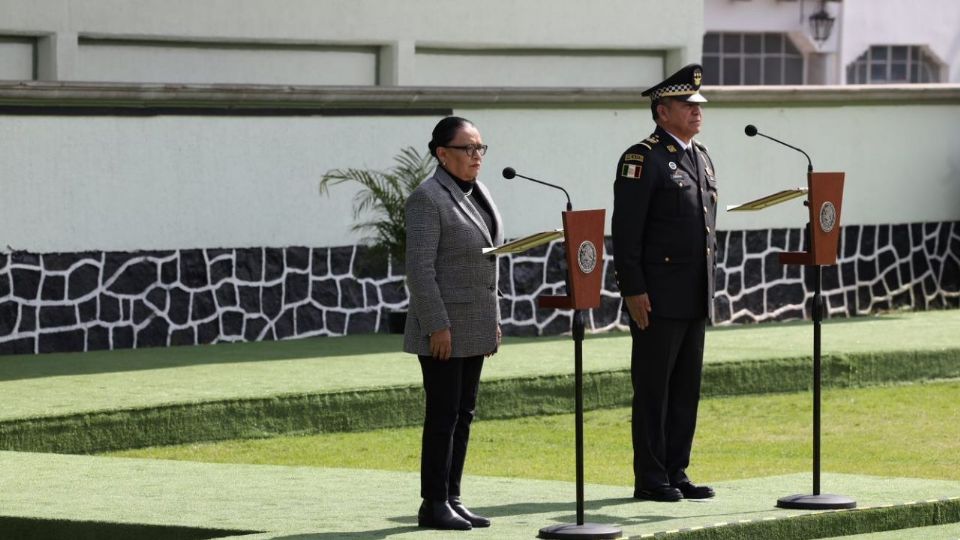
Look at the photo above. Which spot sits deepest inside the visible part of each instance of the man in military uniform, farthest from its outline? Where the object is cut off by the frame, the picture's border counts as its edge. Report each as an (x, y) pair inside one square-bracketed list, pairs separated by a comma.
[(664, 245)]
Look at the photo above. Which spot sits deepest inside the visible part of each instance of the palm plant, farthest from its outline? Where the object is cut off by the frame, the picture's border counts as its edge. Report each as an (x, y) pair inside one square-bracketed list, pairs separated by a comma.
[(382, 197)]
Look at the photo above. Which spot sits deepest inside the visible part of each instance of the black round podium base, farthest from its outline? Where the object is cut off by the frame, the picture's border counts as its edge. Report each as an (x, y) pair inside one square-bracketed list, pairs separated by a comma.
[(587, 530), (824, 501)]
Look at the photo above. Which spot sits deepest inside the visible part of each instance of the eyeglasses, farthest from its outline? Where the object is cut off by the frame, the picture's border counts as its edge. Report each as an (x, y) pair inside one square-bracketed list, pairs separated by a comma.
[(472, 150)]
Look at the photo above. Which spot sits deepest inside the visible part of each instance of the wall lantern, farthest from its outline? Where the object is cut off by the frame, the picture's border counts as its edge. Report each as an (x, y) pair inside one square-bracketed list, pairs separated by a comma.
[(821, 23)]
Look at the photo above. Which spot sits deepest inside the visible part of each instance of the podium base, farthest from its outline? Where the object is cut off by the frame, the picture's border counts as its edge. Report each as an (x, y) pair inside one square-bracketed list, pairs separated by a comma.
[(587, 530), (824, 501)]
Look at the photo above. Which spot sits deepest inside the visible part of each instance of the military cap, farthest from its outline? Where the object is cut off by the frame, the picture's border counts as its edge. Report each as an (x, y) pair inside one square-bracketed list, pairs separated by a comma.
[(683, 85)]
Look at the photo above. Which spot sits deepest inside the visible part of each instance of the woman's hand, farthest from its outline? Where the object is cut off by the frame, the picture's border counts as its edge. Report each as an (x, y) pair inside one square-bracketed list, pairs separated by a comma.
[(495, 349), (441, 344)]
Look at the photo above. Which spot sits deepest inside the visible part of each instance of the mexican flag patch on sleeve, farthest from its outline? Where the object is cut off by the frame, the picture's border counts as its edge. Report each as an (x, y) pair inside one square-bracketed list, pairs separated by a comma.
[(631, 171)]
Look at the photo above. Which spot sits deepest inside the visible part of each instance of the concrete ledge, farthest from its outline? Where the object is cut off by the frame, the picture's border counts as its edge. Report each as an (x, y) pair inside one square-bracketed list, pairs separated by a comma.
[(240, 98)]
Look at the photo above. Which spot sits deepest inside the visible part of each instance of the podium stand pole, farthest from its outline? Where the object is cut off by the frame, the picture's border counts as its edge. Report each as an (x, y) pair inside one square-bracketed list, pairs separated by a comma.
[(816, 501), (824, 201), (581, 530), (817, 375), (583, 240), (578, 332)]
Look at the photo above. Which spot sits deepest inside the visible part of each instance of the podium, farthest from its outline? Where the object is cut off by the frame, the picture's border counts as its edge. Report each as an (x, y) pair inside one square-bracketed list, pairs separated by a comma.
[(583, 238), (824, 201)]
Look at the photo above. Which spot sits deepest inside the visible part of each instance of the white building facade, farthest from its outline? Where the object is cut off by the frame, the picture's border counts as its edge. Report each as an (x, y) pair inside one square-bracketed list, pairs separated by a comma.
[(750, 42)]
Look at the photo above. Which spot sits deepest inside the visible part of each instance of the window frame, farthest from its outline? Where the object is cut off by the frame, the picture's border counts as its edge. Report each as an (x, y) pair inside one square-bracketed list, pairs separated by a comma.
[(917, 63), (788, 53)]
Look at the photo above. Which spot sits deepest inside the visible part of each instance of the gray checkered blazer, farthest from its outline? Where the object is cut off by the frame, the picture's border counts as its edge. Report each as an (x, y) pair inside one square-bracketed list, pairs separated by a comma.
[(452, 284)]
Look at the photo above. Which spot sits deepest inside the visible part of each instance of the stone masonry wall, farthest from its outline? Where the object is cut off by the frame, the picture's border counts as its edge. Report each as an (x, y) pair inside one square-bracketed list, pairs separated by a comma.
[(111, 300)]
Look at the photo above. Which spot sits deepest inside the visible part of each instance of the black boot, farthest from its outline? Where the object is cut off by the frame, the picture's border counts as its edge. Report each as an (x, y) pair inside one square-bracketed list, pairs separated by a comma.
[(439, 515), (462, 511)]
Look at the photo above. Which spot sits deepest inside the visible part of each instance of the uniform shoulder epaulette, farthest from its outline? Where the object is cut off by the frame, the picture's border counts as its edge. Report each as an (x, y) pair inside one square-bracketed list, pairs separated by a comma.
[(650, 141), (636, 152), (700, 145)]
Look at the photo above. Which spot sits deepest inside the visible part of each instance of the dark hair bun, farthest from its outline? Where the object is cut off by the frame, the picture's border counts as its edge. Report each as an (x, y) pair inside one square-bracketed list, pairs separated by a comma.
[(445, 131)]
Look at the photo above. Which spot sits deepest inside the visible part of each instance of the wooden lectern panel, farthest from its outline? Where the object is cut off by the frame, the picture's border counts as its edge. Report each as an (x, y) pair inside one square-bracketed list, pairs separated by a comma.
[(824, 202), (583, 238)]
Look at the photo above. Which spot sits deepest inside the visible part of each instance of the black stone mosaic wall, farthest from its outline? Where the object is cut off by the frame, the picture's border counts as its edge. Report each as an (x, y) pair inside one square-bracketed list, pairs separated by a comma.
[(110, 300), (90, 301)]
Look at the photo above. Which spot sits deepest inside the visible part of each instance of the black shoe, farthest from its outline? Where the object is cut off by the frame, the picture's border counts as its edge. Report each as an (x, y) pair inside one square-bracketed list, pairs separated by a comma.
[(439, 515), (691, 491), (659, 493), (462, 511)]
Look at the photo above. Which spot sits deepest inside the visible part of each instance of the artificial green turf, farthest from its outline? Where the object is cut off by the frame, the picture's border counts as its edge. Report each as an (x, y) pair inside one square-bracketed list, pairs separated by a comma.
[(27, 528), (741, 437), (145, 407), (57, 384), (940, 532), (318, 503), (159, 396)]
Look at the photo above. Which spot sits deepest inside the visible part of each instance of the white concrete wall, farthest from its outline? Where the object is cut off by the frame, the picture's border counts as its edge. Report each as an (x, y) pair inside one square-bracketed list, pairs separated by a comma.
[(889, 178), (110, 183), (16, 59), (181, 41), (129, 183), (445, 67), (159, 62)]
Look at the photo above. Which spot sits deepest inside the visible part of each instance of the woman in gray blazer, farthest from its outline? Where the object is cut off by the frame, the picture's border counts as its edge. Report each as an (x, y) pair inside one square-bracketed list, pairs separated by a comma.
[(454, 314)]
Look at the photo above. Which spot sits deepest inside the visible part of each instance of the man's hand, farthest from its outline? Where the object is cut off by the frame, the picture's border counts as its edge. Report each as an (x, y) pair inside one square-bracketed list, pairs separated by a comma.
[(639, 308), (441, 344)]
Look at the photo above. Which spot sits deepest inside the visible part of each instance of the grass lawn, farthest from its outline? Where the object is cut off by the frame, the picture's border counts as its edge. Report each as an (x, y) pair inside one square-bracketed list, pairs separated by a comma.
[(902, 431), (70, 383)]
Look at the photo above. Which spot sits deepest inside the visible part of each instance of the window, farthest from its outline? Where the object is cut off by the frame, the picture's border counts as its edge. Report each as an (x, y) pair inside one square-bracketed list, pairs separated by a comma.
[(742, 58), (893, 64)]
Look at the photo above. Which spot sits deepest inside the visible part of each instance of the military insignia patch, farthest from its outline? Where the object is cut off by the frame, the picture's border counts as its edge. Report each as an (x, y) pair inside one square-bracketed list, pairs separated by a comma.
[(672, 165), (631, 171), (633, 157), (671, 148)]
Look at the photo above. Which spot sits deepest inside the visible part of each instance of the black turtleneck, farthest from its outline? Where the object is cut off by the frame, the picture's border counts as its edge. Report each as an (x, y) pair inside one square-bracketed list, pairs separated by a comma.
[(479, 202)]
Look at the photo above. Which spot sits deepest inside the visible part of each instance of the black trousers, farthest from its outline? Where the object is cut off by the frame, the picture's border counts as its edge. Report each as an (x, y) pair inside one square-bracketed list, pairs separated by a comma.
[(665, 367), (451, 389)]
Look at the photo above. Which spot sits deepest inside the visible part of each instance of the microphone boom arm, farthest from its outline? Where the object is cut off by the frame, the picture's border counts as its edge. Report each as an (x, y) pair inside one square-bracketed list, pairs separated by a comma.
[(509, 173), (809, 162), (569, 205)]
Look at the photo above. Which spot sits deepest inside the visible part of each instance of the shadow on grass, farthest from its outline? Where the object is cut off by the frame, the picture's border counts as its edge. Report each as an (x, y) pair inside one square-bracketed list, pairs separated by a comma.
[(356, 535), (121, 360), (18, 367)]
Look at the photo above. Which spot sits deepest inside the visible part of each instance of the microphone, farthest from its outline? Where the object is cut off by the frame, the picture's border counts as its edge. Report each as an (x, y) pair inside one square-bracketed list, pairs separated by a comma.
[(751, 130), (510, 172)]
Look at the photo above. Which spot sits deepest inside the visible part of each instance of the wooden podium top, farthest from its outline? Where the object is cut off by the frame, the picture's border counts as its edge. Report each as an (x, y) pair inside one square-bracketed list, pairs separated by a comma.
[(583, 238)]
